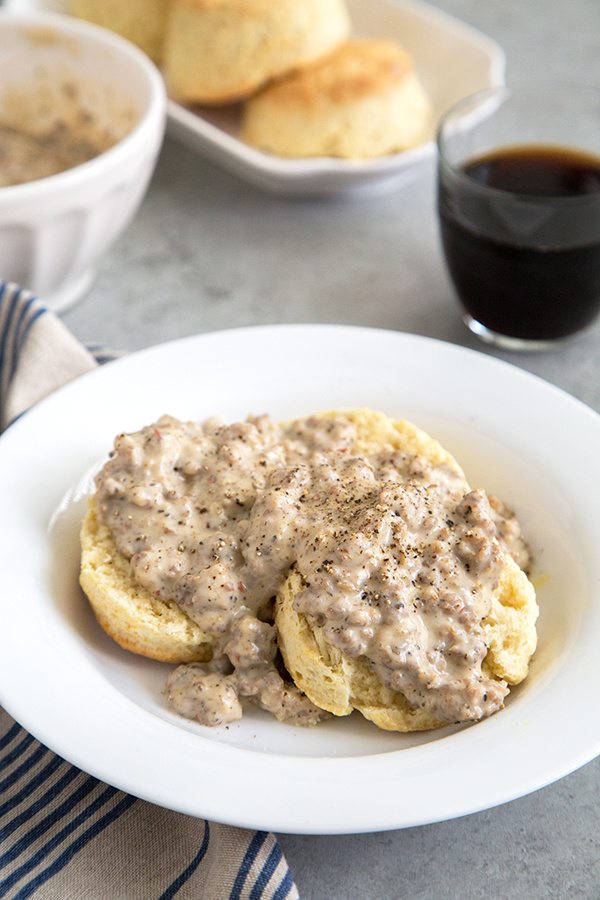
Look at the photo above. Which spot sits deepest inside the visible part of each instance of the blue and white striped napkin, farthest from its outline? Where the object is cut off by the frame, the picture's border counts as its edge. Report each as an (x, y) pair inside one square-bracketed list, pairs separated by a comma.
[(63, 834)]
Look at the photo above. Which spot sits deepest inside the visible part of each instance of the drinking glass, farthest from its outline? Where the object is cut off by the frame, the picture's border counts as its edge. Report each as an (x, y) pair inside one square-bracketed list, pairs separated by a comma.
[(519, 211)]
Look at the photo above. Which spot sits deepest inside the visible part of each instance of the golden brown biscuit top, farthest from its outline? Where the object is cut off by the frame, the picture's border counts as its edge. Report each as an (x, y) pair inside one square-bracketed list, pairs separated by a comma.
[(357, 69), (260, 7)]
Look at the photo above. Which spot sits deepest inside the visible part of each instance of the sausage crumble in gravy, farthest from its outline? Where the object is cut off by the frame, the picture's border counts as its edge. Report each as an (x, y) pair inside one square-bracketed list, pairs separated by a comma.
[(399, 558)]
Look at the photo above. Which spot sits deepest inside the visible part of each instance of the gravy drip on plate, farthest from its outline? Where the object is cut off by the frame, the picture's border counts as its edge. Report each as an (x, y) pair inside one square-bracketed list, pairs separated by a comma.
[(399, 558)]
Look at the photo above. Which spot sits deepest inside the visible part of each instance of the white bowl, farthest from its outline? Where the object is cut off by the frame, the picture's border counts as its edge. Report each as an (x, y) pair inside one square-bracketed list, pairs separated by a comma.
[(53, 231), (452, 60)]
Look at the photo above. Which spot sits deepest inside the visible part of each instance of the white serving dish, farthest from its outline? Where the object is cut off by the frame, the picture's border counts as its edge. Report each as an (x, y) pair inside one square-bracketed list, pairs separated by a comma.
[(452, 59), (103, 709), (53, 231)]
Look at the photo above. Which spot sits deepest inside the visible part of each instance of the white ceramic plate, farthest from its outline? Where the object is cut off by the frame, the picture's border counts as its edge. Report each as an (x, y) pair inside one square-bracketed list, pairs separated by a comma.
[(102, 708), (452, 59)]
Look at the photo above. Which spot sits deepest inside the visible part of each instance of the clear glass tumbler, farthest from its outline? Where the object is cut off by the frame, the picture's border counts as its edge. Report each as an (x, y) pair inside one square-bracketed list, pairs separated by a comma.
[(519, 210)]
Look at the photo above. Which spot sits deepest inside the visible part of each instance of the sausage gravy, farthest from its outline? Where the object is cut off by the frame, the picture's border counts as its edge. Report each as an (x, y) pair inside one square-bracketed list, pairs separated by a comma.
[(399, 558)]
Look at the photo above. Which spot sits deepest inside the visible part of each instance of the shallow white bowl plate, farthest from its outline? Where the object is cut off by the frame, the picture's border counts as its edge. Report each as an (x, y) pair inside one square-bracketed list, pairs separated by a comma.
[(451, 58), (102, 708)]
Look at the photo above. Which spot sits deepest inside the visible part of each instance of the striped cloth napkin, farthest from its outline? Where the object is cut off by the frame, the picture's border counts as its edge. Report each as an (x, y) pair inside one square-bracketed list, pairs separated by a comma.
[(63, 834)]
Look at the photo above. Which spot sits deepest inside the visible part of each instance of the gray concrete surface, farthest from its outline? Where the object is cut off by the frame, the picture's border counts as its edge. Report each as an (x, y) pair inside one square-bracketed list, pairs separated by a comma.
[(208, 252)]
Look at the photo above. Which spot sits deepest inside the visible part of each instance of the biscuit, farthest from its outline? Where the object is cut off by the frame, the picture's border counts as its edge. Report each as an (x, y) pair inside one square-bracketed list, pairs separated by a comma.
[(362, 100), (339, 683), (143, 22), (220, 51), (128, 613)]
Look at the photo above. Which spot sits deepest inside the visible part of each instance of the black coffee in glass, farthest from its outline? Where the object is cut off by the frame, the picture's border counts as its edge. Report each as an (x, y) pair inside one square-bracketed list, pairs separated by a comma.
[(520, 229)]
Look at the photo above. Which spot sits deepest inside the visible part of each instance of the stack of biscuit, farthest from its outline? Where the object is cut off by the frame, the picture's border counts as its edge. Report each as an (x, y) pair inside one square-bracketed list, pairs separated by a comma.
[(308, 89), (143, 22)]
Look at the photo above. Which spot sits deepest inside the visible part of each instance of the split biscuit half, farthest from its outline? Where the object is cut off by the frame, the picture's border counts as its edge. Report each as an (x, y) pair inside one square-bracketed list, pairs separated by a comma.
[(339, 683), (128, 613)]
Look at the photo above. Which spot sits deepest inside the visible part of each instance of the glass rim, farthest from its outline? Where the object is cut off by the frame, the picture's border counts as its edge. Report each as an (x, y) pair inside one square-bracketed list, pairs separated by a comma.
[(506, 91)]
